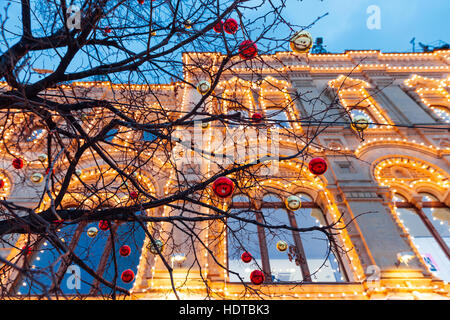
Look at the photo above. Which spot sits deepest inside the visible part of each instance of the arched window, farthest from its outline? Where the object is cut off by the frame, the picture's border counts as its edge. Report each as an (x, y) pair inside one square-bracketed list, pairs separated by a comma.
[(309, 257), (428, 227)]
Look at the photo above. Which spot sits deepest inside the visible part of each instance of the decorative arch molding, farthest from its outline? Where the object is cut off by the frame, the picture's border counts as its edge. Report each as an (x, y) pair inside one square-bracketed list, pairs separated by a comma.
[(423, 176), (404, 144)]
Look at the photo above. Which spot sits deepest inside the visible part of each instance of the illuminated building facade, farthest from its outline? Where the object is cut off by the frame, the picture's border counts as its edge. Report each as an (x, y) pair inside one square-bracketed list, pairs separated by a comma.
[(394, 181)]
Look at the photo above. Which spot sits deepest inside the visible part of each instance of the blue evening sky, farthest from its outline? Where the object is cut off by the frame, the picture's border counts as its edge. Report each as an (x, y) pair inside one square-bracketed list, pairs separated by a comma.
[(401, 20)]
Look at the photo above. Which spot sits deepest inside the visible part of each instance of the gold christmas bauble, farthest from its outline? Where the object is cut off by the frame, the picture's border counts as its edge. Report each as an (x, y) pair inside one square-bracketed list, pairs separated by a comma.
[(301, 42), (188, 24), (92, 232), (37, 177), (203, 87), (205, 125), (293, 203), (282, 246), (42, 157), (159, 244), (360, 123)]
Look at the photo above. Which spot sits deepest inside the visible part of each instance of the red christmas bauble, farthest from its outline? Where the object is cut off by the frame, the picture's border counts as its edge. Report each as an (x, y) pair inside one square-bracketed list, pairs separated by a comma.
[(230, 26), (133, 195), (2, 183), (103, 225), (17, 163), (107, 29), (257, 117), (257, 277), (26, 250), (48, 170), (223, 187), (141, 1), (125, 250), (246, 257), (218, 27), (317, 166), (127, 276), (248, 49)]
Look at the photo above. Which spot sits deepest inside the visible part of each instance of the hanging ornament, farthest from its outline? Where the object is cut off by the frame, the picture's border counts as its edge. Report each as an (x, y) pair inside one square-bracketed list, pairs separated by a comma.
[(257, 117), (127, 276), (230, 26), (78, 172), (218, 27), (246, 257), (133, 195), (37, 177), (48, 170), (42, 157), (293, 203), (17, 163), (103, 225), (158, 244), (205, 125), (92, 232), (26, 250), (84, 117), (188, 24), (2, 183), (282, 246), (223, 187), (360, 123), (248, 49), (141, 1), (107, 30), (125, 250), (301, 42), (317, 166), (257, 277), (203, 87)]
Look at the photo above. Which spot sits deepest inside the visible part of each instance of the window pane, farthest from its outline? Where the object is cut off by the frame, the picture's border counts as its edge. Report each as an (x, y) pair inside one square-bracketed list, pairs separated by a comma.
[(281, 267), (242, 236), (322, 263), (428, 247), (278, 117), (130, 234)]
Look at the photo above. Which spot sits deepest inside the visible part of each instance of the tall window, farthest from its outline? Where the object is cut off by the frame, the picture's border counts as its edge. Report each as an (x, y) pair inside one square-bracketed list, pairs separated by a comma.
[(429, 229), (309, 257), (96, 252)]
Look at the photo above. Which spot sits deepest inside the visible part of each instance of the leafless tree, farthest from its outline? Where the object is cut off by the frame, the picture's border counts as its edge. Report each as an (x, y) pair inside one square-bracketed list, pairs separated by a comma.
[(101, 113)]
